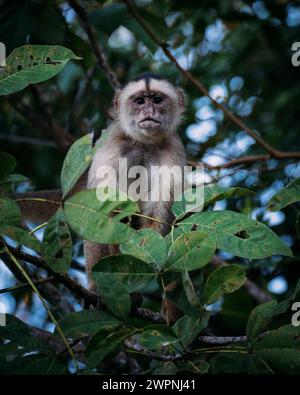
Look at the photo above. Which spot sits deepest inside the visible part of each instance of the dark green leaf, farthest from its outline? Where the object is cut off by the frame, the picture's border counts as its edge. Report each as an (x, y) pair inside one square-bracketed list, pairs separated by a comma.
[(108, 18), (9, 212), (57, 243), (280, 349), (87, 322), (20, 236), (100, 345), (288, 195), (8, 164), (225, 279)]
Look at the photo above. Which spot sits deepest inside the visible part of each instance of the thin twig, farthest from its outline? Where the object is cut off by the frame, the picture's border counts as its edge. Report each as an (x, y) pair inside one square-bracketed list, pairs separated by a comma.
[(24, 285)]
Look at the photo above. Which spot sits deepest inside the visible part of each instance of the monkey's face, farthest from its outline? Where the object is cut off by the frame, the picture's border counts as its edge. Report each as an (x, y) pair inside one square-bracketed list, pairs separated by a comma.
[(149, 110)]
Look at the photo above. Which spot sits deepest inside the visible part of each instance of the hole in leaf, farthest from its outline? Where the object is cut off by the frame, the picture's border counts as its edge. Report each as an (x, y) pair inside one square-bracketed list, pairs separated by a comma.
[(59, 254), (242, 235)]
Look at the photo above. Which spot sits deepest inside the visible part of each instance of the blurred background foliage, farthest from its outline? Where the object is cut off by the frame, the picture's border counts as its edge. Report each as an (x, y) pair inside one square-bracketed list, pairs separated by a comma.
[(240, 50)]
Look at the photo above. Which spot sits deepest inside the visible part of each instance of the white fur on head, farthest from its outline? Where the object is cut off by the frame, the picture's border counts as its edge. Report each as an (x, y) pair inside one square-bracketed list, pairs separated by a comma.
[(158, 85)]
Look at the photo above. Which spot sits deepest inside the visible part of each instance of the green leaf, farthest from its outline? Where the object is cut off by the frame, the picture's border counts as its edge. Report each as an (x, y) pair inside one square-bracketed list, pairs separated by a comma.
[(119, 275), (31, 64), (288, 195), (260, 318), (9, 212), (76, 162), (8, 164), (298, 225), (211, 194), (91, 219), (163, 368), (134, 273), (57, 243), (78, 159), (108, 18), (102, 344), (35, 365), (14, 328), (187, 328), (13, 179), (190, 251), (237, 234), (157, 337), (87, 322), (147, 245), (20, 236), (190, 292), (280, 349), (225, 279), (187, 202), (114, 295)]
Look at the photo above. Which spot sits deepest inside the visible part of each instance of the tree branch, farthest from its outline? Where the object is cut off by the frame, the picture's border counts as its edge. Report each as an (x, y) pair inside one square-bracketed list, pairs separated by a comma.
[(273, 152), (100, 56)]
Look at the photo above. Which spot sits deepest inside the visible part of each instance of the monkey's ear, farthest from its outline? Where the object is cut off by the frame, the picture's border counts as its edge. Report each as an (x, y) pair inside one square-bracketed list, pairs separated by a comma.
[(117, 101), (181, 99)]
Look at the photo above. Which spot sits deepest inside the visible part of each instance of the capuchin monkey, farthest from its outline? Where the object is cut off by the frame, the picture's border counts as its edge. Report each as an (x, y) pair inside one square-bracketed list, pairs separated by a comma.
[(148, 113)]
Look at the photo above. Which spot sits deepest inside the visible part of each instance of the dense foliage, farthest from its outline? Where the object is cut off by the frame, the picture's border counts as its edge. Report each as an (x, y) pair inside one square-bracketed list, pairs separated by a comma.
[(65, 59)]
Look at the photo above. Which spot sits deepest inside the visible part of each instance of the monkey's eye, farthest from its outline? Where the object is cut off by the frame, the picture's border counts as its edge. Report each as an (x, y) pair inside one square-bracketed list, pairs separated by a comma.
[(139, 100), (157, 99)]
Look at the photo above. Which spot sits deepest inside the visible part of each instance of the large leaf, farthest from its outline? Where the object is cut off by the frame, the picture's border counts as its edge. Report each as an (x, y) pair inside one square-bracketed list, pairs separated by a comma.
[(9, 212), (187, 328), (260, 318), (8, 163), (20, 236), (211, 194), (237, 234), (31, 64), (57, 243), (77, 160), (280, 349), (87, 322), (119, 275), (288, 195), (157, 337), (147, 245), (103, 343), (190, 251), (91, 219), (225, 279), (134, 273)]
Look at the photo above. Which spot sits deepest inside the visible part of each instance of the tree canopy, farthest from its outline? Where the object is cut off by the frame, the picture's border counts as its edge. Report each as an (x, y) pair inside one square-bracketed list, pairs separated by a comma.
[(238, 297)]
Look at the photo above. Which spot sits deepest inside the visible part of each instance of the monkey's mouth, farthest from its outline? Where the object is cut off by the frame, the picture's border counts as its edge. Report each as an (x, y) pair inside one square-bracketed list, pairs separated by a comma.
[(149, 122)]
